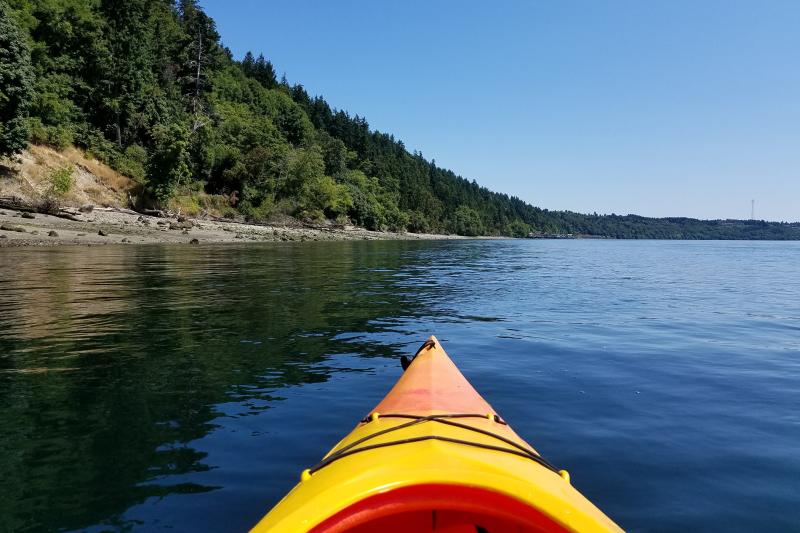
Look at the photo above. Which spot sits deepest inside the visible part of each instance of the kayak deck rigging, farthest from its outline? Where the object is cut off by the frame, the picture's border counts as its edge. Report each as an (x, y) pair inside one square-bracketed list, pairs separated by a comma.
[(434, 456), (354, 447)]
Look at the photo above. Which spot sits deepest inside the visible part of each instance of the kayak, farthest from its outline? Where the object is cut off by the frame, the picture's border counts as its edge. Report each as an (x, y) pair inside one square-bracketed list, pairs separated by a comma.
[(434, 456)]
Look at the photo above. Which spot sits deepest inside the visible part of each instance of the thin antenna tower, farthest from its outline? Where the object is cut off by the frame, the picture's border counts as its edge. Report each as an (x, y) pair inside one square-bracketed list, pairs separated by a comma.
[(752, 209)]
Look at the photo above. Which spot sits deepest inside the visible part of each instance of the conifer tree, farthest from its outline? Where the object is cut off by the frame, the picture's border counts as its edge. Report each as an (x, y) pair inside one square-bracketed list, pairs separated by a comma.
[(264, 72), (16, 84), (248, 63), (147, 87), (202, 54)]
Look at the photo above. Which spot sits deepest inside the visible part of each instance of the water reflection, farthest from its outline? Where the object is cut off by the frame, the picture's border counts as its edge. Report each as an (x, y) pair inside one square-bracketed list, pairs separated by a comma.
[(116, 361), (184, 388)]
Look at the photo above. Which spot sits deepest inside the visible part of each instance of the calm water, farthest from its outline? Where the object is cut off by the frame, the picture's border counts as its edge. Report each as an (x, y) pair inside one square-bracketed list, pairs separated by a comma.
[(185, 388)]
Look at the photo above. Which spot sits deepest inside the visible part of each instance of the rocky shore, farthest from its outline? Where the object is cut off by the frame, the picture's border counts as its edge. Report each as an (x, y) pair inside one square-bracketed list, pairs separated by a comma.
[(119, 226)]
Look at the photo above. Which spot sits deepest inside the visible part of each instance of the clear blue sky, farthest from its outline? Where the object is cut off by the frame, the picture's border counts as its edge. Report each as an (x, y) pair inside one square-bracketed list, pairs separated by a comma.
[(679, 107)]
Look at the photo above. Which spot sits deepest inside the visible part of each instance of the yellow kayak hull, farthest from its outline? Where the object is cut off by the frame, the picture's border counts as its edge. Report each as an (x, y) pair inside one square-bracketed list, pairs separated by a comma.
[(434, 456)]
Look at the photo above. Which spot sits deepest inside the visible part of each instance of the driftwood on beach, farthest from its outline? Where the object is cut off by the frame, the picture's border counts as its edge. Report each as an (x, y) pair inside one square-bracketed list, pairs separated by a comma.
[(66, 214), (46, 208), (152, 212), (17, 204), (143, 211)]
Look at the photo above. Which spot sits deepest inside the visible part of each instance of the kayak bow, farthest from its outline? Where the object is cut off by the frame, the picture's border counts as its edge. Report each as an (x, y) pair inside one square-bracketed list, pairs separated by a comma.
[(434, 456)]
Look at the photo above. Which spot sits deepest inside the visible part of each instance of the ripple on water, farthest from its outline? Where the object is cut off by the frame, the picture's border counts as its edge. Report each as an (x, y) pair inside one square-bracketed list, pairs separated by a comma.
[(169, 387)]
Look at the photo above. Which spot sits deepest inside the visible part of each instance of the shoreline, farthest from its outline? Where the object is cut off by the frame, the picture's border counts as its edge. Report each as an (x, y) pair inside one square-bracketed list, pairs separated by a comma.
[(117, 226)]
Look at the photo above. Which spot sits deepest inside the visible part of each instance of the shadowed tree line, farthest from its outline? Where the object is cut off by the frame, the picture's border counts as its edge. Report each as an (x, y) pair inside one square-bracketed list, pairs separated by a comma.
[(148, 87)]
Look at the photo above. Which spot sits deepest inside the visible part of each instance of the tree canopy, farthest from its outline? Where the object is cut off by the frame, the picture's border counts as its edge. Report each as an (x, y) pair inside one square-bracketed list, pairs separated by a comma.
[(148, 87), (16, 84)]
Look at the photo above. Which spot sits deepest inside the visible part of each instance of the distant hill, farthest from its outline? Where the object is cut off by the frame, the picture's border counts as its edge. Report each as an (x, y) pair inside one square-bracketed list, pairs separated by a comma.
[(147, 87), (638, 227)]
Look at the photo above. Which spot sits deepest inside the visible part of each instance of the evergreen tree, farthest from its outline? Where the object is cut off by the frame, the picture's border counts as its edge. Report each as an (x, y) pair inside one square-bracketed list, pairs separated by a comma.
[(248, 63), (146, 86), (202, 54), (264, 72), (16, 84), (129, 75)]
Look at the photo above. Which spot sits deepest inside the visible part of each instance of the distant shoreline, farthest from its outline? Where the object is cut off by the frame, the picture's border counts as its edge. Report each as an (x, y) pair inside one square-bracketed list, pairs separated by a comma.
[(115, 226), (109, 225)]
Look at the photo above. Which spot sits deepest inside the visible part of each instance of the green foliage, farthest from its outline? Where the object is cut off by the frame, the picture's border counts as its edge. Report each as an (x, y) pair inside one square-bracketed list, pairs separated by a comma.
[(260, 69), (372, 206), (133, 163), (169, 166), (189, 200), (54, 111), (290, 119), (517, 228), (366, 210), (61, 181), (419, 223), (306, 165), (59, 137), (147, 87), (321, 197), (334, 153), (96, 144), (16, 84), (259, 211), (467, 221)]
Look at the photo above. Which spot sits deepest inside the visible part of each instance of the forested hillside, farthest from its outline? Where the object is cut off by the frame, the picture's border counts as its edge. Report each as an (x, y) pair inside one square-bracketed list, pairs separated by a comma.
[(148, 87)]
